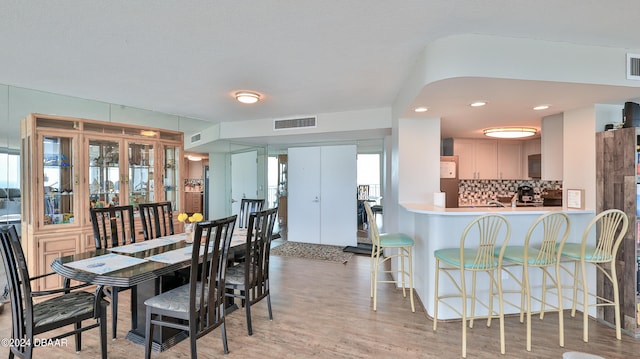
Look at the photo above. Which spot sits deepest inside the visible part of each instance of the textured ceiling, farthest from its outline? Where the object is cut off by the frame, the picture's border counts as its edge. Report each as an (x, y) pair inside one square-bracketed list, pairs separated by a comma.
[(307, 57)]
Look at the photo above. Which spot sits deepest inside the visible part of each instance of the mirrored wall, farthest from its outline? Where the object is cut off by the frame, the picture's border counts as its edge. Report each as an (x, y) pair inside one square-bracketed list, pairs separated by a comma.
[(16, 103)]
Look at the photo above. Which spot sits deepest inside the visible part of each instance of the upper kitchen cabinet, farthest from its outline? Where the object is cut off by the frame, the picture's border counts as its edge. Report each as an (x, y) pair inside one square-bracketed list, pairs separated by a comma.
[(510, 159), (477, 159), (489, 159), (70, 165)]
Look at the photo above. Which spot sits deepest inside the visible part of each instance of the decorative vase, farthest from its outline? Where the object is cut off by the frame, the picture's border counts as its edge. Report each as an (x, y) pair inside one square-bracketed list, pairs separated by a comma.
[(188, 231)]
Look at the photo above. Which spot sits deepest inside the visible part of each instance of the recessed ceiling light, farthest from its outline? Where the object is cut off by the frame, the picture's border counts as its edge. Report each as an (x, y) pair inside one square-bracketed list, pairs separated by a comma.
[(510, 132), (541, 107), (247, 97), (421, 109), (478, 103)]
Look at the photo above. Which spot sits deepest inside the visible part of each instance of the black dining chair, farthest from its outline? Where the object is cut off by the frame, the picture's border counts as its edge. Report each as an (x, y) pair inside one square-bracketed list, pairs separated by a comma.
[(114, 226), (197, 307), (249, 281), (62, 307), (157, 219), (248, 206)]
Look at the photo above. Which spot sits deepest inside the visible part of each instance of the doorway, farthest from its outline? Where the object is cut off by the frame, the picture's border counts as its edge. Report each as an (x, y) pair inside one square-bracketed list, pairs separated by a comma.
[(369, 176)]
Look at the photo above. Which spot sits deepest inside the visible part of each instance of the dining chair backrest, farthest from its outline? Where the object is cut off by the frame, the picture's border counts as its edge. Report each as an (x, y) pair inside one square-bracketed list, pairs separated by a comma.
[(113, 226), (208, 270), (258, 247), (611, 227), (157, 219), (30, 318), (553, 228), (483, 233), (248, 206), (15, 266)]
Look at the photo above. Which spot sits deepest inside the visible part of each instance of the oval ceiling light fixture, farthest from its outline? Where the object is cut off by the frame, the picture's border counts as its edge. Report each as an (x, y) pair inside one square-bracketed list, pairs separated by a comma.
[(421, 109), (510, 132), (478, 103), (541, 107), (194, 158), (247, 97)]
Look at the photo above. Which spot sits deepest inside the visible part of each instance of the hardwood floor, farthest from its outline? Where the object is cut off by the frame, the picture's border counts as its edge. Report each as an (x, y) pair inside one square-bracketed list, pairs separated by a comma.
[(322, 309)]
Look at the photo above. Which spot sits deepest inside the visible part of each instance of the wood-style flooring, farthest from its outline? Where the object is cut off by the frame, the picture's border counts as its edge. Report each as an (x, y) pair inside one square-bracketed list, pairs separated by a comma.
[(323, 310)]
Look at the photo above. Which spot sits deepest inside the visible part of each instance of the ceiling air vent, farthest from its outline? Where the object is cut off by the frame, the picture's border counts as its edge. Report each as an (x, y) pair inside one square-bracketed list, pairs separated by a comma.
[(633, 66), (305, 122), (195, 138)]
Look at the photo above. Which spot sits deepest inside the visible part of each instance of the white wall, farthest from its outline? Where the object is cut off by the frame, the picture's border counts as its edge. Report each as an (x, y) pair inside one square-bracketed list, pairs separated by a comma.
[(219, 182), (362, 120), (418, 159), (608, 114), (520, 58), (551, 147), (579, 153)]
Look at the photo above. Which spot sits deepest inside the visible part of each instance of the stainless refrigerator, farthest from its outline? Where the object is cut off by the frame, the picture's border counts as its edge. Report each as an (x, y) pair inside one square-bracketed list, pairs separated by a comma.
[(449, 180)]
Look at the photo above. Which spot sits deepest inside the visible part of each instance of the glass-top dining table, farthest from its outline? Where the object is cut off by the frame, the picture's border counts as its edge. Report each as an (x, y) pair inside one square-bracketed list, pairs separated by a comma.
[(153, 266)]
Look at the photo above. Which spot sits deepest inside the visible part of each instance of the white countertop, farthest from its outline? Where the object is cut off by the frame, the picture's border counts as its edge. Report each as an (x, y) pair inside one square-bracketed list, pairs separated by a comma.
[(424, 208)]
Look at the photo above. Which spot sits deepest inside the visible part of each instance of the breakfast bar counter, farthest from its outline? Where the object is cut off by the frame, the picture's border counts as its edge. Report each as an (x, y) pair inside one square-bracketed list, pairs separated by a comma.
[(437, 227)]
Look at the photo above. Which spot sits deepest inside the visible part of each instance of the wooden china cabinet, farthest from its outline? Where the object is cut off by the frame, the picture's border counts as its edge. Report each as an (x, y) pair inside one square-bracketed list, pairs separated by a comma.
[(71, 164)]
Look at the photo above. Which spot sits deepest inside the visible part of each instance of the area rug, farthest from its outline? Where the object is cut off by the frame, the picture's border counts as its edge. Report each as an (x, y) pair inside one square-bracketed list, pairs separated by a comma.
[(312, 251)]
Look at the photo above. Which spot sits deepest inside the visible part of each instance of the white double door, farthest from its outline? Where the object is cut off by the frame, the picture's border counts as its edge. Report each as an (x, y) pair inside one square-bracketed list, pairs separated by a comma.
[(322, 195), (244, 175)]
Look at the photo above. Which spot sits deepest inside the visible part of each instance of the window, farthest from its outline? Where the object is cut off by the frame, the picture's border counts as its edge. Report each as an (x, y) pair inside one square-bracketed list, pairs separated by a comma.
[(369, 173), (11, 177)]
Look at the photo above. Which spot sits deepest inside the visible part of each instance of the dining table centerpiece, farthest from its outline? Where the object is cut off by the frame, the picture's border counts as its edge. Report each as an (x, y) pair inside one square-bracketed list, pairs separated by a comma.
[(189, 222)]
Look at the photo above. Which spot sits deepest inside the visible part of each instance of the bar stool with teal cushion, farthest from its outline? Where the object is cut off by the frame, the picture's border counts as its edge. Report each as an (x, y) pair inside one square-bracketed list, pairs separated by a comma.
[(611, 227), (404, 246), (539, 251), (476, 254)]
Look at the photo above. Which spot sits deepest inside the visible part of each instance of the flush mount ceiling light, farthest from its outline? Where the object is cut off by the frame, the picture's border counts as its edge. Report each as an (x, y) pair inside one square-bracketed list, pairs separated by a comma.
[(421, 109), (510, 132), (478, 103), (194, 158), (247, 97), (541, 107)]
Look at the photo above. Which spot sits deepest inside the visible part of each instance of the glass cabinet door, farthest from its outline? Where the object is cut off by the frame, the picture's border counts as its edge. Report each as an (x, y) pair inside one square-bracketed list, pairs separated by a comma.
[(140, 181), (171, 175), (59, 180), (104, 173)]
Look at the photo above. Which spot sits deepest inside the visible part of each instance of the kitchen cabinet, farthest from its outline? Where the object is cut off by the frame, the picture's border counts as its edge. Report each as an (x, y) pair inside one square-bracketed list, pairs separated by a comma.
[(477, 159), (193, 202), (510, 160), (70, 165), (489, 159), (322, 197), (616, 187), (195, 169)]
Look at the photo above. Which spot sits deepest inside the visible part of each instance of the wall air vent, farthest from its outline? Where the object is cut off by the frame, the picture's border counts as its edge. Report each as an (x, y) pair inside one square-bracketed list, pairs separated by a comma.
[(633, 66), (195, 138), (305, 122)]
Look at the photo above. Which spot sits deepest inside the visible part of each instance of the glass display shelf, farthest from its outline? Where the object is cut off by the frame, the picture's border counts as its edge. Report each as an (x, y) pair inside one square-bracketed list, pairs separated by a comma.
[(59, 180)]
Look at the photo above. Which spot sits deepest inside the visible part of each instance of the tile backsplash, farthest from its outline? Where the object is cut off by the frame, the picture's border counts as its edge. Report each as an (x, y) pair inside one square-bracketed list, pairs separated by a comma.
[(475, 192)]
